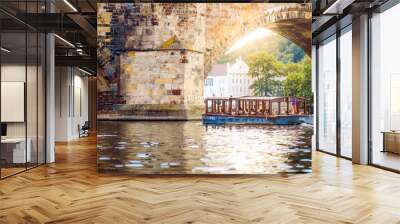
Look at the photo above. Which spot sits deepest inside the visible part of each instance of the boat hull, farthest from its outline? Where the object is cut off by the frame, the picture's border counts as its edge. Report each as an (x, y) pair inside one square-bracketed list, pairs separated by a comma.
[(277, 120)]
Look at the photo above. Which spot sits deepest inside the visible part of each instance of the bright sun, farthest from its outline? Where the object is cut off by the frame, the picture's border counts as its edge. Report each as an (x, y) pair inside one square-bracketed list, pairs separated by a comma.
[(254, 35)]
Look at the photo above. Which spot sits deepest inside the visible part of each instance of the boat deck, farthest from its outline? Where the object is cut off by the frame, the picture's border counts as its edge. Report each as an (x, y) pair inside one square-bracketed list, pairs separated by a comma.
[(258, 110)]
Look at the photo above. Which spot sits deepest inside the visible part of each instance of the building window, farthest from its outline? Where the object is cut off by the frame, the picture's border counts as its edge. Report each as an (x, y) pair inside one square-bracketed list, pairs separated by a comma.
[(209, 82)]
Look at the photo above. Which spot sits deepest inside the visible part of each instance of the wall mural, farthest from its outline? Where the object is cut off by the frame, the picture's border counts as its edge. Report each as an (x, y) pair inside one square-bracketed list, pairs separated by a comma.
[(216, 88)]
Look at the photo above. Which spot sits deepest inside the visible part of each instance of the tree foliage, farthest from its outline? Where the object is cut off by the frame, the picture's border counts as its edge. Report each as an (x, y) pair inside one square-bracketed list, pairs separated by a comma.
[(298, 79), (279, 67), (275, 78), (289, 52), (267, 71)]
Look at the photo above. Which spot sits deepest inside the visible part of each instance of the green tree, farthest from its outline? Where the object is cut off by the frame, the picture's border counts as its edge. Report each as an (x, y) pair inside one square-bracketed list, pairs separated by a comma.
[(298, 80), (267, 72), (289, 52)]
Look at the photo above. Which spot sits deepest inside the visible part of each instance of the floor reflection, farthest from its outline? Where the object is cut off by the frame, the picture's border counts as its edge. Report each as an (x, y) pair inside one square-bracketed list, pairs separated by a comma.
[(386, 159), (192, 148)]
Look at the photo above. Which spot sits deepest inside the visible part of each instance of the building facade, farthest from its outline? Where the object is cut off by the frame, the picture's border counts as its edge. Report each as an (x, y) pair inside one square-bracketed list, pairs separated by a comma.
[(228, 79)]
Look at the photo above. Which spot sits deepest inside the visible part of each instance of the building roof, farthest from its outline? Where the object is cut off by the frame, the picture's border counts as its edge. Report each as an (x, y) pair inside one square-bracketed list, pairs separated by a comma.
[(239, 66), (219, 70)]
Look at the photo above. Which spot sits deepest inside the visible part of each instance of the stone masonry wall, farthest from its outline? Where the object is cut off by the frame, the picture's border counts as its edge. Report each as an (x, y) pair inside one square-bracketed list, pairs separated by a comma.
[(152, 77), (161, 59)]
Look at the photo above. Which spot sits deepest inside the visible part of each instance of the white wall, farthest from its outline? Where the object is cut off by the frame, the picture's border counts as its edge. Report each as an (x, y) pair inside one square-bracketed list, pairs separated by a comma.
[(9, 73), (80, 111), (13, 100), (16, 73), (13, 73), (218, 88), (61, 103), (71, 102), (238, 84)]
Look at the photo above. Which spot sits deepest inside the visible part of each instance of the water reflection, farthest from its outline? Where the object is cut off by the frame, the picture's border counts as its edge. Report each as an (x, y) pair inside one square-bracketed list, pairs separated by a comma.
[(191, 148)]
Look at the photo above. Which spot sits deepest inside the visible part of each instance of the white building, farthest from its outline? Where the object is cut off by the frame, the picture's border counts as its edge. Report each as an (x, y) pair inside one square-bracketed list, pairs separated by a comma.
[(227, 80)]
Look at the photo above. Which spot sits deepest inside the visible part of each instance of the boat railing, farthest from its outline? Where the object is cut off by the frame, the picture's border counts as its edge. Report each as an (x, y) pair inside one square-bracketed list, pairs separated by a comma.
[(258, 106)]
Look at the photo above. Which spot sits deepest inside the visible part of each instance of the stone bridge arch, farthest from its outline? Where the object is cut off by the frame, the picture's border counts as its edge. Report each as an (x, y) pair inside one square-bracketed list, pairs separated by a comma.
[(292, 21), (153, 57)]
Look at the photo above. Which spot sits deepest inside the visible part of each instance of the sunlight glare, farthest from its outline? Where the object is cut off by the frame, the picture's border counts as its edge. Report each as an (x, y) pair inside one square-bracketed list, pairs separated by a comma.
[(254, 35)]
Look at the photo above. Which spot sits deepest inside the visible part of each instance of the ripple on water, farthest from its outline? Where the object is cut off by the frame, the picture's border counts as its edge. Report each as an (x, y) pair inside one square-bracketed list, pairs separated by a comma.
[(190, 147)]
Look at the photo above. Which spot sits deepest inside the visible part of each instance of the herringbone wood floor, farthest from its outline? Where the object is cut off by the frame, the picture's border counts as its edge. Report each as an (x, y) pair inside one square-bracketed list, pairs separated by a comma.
[(71, 191)]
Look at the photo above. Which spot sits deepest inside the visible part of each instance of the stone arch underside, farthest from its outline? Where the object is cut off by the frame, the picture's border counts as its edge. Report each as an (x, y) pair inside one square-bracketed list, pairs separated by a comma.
[(292, 21)]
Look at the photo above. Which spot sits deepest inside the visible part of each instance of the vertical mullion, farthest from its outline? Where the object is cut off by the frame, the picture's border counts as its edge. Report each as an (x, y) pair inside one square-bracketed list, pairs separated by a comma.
[(26, 86), (369, 96), (37, 90), (317, 96), (46, 3), (338, 76)]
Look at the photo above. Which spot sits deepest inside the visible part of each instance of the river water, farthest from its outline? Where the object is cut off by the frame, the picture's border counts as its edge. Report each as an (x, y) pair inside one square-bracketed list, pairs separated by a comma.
[(174, 147)]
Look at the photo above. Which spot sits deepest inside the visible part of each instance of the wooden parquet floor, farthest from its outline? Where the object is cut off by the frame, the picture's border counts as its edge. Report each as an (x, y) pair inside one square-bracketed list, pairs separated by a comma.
[(71, 191)]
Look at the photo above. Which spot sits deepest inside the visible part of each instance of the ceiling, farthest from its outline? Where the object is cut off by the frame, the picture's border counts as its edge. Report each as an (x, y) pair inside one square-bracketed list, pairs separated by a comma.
[(74, 22)]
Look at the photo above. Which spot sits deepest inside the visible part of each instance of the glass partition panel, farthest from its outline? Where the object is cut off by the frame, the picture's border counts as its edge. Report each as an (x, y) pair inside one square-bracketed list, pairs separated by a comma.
[(14, 153), (327, 96), (22, 88), (346, 93), (385, 89)]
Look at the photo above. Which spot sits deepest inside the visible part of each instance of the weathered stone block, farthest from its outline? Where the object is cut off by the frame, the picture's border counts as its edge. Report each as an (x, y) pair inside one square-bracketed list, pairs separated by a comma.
[(131, 87), (163, 81)]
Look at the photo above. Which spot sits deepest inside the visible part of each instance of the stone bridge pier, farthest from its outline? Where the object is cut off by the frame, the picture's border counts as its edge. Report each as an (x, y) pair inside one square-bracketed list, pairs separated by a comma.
[(153, 57)]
